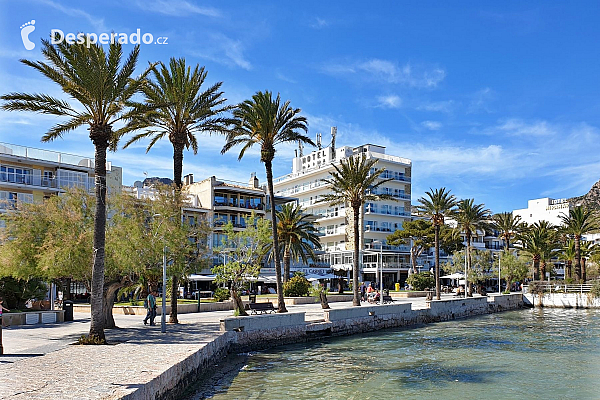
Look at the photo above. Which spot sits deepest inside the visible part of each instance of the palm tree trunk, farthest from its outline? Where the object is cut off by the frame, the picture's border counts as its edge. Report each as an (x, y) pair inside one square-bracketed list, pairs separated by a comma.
[(174, 295), (569, 269), (577, 258), (286, 264), (280, 300), (468, 290), (178, 164), (109, 301), (583, 270), (543, 268), (536, 268), (438, 288), (355, 270), (97, 287)]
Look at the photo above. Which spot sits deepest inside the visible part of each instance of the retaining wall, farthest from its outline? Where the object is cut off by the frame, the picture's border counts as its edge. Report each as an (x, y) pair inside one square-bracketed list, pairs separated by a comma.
[(33, 317), (561, 300)]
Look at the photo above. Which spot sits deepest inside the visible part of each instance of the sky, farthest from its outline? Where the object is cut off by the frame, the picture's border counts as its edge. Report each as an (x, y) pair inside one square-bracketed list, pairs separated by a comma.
[(497, 101)]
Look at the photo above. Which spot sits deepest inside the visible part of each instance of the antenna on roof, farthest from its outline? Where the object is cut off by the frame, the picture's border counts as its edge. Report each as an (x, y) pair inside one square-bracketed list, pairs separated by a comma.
[(319, 141), (300, 149), (333, 135)]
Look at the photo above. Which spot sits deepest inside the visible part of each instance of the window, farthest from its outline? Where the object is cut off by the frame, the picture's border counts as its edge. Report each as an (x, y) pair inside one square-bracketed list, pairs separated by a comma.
[(68, 179)]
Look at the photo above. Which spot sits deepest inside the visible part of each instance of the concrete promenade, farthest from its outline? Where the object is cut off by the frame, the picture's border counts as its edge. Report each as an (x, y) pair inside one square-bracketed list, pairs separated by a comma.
[(41, 362)]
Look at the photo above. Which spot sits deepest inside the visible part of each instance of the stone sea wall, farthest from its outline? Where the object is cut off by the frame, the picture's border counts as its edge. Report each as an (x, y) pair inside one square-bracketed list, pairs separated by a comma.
[(250, 333), (561, 300)]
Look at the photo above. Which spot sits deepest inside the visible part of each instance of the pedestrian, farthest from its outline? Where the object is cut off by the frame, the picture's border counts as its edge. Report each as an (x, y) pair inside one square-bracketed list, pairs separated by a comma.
[(363, 292), (150, 305), (2, 308)]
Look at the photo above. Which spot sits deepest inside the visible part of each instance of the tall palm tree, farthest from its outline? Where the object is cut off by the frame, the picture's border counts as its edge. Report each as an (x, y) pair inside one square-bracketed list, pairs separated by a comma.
[(297, 236), (579, 222), (266, 122), (568, 253), (538, 240), (178, 108), (507, 225), (471, 218), (437, 205), (588, 249), (101, 89), (352, 184)]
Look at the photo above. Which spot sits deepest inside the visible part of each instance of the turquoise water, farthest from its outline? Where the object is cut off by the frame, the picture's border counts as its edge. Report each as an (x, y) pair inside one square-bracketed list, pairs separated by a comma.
[(528, 354)]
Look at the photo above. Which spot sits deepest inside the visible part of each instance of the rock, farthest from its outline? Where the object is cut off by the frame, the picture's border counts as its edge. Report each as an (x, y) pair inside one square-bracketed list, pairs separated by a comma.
[(590, 200)]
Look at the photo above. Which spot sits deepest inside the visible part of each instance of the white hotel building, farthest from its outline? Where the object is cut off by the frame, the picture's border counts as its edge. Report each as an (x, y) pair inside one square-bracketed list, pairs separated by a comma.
[(380, 218)]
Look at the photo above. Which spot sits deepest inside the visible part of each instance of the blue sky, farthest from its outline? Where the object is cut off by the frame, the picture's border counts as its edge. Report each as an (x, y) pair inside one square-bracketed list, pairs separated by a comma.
[(495, 100)]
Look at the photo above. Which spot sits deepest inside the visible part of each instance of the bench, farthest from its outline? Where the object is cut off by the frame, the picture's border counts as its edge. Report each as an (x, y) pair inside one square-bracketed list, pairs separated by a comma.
[(261, 308), (387, 299)]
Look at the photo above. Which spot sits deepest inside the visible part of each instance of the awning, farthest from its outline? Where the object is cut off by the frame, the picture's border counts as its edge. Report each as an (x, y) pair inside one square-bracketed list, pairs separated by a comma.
[(201, 278), (456, 275)]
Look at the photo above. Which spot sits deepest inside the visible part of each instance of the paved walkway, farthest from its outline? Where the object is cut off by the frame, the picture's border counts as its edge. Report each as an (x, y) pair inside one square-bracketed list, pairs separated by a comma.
[(41, 362)]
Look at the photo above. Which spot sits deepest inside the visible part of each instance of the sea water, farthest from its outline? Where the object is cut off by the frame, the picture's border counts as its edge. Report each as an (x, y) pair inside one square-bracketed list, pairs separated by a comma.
[(526, 354)]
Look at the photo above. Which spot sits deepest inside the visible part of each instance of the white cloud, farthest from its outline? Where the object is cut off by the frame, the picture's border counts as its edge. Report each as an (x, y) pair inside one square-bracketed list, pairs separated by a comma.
[(480, 101), (388, 72), (432, 125), (447, 106), (319, 23), (224, 50), (176, 8), (96, 22), (390, 101), (517, 127)]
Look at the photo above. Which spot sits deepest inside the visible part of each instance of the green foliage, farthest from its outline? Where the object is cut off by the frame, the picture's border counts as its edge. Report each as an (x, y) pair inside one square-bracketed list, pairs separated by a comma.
[(420, 233), (595, 290), (297, 286), (221, 294), (421, 281), (513, 268), (17, 291), (482, 266)]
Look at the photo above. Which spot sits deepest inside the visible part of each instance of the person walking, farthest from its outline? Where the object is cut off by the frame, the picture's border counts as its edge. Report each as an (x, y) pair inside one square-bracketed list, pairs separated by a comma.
[(150, 305), (2, 308), (363, 292)]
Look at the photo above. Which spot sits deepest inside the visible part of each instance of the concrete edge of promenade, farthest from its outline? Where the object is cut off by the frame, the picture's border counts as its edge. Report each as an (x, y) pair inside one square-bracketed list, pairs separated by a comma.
[(243, 334)]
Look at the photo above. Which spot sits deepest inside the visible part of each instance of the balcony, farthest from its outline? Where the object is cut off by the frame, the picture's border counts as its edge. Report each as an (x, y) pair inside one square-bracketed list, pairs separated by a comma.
[(45, 182), (45, 155), (244, 206)]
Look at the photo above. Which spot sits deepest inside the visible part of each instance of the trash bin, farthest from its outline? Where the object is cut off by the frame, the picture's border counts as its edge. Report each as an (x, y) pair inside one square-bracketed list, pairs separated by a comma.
[(68, 309), (397, 287)]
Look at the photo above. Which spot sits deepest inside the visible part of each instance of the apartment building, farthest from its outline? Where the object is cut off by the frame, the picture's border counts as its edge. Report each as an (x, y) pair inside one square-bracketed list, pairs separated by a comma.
[(379, 218), (29, 175)]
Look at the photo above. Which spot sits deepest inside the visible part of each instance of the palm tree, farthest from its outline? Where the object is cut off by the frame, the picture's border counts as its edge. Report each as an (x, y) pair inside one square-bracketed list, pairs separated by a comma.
[(507, 225), (588, 249), (539, 241), (568, 252), (101, 93), (266, 122), (297, 236), (579, 222), (352, 184), (178, 108), (438, 205), (471, 218)]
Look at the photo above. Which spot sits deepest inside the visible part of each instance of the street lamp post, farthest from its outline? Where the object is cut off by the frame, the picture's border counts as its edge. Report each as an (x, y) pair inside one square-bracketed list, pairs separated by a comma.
[(163, 317), (499, 285)]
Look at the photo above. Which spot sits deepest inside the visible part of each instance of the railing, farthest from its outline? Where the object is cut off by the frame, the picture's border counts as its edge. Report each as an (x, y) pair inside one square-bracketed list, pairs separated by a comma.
[(236, 205), (45, 155), (561, 288), (52, 183)]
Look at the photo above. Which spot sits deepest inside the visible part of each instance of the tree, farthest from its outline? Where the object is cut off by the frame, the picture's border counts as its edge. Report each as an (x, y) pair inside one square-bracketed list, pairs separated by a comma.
[(507, 226), (140, 229), (102, 93), (480, 266), (588, 249), (178, 107), (297, 236), (265, 122), (437, 205), (539, 241), (421, 280), (244, 250), (568, 253), (419, 234), (352, 183), (471, 218), (579, 222), (514, 269)]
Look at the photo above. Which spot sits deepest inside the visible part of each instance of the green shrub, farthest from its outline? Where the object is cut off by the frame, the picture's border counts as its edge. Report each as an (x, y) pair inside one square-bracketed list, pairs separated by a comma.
[(297, 286), (221, 294), (595, 290), (421, 280)]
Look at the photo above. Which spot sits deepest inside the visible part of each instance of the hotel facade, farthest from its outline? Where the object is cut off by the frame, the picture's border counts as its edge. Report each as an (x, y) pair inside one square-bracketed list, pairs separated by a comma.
[(379, 218)]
